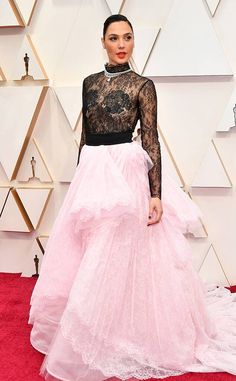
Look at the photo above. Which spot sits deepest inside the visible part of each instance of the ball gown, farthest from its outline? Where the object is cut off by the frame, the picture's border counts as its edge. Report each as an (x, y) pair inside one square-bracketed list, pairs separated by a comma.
[(116, 297)]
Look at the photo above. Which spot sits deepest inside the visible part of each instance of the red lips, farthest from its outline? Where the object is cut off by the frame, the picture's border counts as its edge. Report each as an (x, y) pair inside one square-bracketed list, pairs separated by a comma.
[(121, 55)]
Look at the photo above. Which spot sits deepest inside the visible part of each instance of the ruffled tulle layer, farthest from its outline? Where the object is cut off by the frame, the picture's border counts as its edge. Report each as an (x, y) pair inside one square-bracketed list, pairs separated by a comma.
[(116, 297)]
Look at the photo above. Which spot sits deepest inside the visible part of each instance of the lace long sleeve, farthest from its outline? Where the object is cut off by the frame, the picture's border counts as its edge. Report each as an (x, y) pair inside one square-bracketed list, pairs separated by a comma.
[(149, 134), (82, 137)]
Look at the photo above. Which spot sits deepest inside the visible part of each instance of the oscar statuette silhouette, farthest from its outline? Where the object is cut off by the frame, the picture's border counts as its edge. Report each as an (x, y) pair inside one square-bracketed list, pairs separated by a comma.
[(27, 76)]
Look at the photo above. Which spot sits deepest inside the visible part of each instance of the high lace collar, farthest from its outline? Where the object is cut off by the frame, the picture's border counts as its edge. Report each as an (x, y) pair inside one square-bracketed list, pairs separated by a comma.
[(117, 68)]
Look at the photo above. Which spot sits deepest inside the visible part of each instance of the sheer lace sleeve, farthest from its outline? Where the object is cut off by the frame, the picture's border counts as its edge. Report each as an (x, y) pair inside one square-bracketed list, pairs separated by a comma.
[(82, 137), (149, 134)]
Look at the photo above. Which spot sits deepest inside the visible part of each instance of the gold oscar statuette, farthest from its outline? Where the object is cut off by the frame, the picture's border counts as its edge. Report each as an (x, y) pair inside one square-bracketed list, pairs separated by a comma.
[(27, 76), (36, 263), (33, 165)]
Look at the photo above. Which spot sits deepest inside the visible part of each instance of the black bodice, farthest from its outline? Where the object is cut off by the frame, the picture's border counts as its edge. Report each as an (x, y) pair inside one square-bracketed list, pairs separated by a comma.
[(115, 105)]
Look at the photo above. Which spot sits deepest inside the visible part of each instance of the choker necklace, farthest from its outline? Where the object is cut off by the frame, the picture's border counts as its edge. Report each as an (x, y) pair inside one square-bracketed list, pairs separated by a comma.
[(113, 74)]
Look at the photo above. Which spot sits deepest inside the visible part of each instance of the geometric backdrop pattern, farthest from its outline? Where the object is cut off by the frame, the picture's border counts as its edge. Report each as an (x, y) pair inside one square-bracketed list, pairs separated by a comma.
[(185, 46)]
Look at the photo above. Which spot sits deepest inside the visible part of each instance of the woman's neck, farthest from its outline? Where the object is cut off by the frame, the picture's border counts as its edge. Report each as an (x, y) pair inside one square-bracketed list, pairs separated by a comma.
[(116, 68)]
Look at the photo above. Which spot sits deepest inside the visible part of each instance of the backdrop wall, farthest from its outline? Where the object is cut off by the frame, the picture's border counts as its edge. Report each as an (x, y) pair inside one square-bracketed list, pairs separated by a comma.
[(185, 46)]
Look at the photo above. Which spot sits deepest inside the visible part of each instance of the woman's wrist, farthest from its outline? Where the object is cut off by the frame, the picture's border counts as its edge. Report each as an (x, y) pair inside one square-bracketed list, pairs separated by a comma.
[(156, 196)]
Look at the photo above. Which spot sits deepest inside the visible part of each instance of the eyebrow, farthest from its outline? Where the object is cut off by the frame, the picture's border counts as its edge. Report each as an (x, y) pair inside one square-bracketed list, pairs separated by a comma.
[(114, 34)]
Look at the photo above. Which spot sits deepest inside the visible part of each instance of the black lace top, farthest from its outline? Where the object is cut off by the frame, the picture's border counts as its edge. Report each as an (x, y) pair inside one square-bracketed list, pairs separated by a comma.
[(116, 105)]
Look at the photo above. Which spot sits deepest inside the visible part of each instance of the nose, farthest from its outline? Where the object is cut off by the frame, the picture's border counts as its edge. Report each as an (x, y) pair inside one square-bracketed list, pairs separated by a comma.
[(121, 43)]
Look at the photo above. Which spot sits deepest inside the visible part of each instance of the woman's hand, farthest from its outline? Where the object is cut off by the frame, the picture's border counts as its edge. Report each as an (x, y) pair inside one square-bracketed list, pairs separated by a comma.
[(155, 210)]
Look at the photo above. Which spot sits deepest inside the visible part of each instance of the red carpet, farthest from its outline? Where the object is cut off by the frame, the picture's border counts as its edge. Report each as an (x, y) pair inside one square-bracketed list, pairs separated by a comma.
[(19, 361)]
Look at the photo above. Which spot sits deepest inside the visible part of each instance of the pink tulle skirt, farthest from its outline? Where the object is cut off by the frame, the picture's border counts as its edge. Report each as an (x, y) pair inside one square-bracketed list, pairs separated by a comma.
[(116, 297)]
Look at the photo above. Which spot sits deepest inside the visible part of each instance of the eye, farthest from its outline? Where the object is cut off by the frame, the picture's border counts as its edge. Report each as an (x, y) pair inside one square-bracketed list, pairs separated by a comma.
[(128, 38), (112, 38)]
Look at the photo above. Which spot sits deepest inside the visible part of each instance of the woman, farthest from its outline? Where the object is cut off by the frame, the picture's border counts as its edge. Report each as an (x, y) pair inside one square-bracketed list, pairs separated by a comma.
[(117, 293)]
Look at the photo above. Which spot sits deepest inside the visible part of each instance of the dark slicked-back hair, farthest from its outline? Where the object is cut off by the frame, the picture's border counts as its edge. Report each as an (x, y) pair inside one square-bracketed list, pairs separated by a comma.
[(114, 18)]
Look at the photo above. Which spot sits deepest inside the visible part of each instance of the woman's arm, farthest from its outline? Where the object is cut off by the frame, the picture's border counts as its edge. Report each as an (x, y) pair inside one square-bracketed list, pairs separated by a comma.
[(150, 142), (149, 134), (82, 137)]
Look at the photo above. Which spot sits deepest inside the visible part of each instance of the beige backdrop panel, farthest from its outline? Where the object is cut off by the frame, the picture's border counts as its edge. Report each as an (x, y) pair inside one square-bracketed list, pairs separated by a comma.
[(185, 46)]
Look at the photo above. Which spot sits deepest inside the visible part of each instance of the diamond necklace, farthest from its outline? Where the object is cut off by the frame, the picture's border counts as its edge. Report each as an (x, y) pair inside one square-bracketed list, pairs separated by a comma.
[(111, 75)]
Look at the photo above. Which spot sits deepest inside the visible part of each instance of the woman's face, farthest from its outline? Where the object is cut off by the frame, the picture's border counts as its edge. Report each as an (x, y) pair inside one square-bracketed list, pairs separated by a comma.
[(118, 42)]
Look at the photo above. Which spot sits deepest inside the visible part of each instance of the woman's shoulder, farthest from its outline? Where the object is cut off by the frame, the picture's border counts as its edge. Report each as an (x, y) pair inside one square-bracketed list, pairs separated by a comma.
[(141, 78), (92, 76)]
